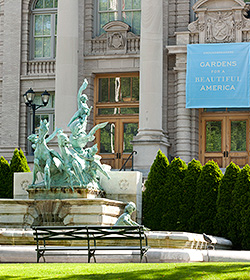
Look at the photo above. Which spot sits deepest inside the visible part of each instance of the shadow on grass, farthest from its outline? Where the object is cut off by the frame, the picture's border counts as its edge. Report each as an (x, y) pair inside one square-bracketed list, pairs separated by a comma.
[(175, 272)]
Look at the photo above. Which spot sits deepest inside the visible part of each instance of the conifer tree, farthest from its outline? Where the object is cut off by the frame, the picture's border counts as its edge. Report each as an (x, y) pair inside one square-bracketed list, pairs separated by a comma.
[(18, 164), (187, 207), (172, 195), (239, 207), (152, 200), (5, 179), (224, 200), (206, 196)]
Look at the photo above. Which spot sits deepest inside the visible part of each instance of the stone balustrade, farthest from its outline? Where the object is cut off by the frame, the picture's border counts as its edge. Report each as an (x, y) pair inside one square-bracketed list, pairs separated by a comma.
[(41, 67), (98, 46)]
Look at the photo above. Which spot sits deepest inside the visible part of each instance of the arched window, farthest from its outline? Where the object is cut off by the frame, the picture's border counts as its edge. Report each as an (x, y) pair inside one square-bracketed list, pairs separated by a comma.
[(128, 11), (44, 26)]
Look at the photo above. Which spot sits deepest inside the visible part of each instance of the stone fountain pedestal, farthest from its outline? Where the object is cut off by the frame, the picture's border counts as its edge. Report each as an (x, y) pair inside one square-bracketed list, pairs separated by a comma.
[(123, 186), (62, 193), (16, 213)]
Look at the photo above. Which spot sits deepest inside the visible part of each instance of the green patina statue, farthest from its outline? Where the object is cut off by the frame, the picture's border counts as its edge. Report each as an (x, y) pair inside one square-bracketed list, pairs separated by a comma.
[(75, 166), (125, 219)]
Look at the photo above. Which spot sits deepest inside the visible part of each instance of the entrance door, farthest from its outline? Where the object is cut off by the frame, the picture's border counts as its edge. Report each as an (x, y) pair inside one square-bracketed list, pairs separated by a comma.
[(224, 139), (114, 141), (116, 102)]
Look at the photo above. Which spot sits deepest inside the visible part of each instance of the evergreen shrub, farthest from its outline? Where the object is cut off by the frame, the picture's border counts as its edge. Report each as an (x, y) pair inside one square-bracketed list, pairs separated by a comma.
[(239, 209), (187, 207), (5, 179), (206, 196), (224, 200), (172, 195), (152, 201), (18, 164)]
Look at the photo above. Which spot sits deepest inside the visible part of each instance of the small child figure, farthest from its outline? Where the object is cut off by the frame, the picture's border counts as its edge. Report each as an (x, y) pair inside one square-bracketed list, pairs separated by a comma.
[(125, 218)]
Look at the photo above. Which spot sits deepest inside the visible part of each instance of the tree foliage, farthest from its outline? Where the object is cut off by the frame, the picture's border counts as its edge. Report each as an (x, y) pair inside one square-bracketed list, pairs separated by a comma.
[(239, 208), (206, 196), (187, 207), (199, 199), (5, 179), (172, 195), (152, 200), (224, 200), (19, 162)]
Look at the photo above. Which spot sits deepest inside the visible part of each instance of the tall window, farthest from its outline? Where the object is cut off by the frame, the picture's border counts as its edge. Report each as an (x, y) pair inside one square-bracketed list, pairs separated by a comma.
[(192, 14), (248, 12), (44, 29), (128, 11)]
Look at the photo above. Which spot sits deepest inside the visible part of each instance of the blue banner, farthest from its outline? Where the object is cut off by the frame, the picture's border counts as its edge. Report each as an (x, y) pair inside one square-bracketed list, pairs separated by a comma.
[(218, 75)]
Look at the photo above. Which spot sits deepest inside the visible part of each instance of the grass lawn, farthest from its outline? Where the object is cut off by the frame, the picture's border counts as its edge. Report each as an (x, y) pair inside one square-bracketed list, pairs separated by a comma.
[(126, 271)]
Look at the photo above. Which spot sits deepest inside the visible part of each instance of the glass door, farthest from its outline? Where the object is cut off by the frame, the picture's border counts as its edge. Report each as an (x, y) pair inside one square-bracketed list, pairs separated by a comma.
[(114, 142), (213, 140), (225, 139), (116, 102), (238, 139)]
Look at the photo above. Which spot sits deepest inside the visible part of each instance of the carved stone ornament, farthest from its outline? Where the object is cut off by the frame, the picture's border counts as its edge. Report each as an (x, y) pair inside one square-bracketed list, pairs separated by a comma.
[(220, 27), (116, 40), (25, 184), (219, 21), (124, 184)]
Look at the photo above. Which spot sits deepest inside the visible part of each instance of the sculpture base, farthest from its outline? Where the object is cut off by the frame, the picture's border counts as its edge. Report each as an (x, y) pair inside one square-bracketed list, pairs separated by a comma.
[(63, 193), (25, 213)]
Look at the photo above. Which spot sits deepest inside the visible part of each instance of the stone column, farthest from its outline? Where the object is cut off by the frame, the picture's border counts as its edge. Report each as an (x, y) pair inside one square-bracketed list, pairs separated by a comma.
[(150, 137), (183, 115), (66, 63), (10, 103), (186, 120)]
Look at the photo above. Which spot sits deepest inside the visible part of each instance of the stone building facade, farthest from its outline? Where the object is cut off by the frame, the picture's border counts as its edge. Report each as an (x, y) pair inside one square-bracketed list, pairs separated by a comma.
[(134, 55)]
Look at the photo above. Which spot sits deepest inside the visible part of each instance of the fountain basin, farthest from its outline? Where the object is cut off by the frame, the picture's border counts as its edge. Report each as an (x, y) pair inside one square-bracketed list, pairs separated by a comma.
[(25, 213)]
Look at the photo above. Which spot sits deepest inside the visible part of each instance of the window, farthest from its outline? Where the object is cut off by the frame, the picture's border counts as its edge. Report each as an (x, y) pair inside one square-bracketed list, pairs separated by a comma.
[(44, 29), (116, 102), (118, 95), (247, 15), (128, 11), (192, 14)]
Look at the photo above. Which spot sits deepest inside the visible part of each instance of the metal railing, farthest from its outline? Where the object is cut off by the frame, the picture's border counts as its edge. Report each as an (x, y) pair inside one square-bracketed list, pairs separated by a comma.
[(130, 156)]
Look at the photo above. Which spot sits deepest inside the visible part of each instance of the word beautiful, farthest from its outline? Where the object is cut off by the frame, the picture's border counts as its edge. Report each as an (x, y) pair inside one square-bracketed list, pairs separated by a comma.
[(226, 83)]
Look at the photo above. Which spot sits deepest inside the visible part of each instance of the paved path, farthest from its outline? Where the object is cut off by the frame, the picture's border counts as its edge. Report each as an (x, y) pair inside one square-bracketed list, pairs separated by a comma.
[(27, 254)]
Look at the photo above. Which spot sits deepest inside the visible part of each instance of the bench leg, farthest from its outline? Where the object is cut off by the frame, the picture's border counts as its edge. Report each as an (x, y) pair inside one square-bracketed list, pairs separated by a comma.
[(144, 254), (40, 254), (91, 254)]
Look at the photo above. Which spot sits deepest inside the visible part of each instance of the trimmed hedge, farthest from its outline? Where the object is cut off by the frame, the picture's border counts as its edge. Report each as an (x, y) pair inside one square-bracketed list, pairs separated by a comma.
[(224, 200), (151, 197), (239, 208), (18, 164), (206, 196), (187, 207), (172, 195), (5, 179), (199, 199)]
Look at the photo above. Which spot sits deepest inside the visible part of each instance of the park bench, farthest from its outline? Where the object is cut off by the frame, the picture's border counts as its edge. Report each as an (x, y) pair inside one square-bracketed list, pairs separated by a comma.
[(89, 238)]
